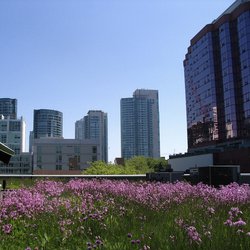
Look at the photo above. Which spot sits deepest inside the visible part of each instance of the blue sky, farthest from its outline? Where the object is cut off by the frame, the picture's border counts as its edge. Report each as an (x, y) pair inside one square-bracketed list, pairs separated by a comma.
[(79, 55)]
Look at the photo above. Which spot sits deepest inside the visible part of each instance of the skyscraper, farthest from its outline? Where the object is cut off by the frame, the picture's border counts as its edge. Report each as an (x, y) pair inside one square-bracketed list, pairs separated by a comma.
[(47, 123), (217, 81), (94, 126), (12, 133), (140, 134), (8, 108)]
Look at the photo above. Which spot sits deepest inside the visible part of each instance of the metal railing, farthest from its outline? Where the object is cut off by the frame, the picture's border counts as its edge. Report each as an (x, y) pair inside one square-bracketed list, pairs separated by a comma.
[(5, 177), (106, 176)]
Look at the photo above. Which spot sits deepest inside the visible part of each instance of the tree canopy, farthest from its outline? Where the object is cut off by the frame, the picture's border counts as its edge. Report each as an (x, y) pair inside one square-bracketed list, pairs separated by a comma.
[(135, 165)]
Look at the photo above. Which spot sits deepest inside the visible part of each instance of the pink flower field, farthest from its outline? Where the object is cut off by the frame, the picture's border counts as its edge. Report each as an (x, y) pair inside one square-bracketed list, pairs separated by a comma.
[(105, 214)]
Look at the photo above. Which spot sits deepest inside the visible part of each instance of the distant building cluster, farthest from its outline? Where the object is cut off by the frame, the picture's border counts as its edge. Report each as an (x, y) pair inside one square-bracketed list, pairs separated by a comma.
[(217, 85), (50, 153)]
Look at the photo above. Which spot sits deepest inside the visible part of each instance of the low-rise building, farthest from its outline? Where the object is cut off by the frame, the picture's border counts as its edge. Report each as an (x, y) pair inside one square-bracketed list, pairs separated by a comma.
[(50, 154), (18, 164), (12, 134), (183, 162)]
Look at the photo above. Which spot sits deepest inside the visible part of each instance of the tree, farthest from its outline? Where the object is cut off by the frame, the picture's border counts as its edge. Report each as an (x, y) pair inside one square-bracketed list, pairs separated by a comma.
[(139, 164), (100, 167), (135, 165), (159, 164)]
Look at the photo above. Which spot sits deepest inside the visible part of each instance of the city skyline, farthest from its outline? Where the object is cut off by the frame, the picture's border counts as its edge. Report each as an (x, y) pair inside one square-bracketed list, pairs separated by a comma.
[(74, 56)]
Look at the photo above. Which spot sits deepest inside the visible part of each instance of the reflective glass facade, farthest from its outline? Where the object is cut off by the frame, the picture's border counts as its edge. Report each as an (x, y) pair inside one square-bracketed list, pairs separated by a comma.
[(217, 79), (47, 123), (128, 148), (8, 108), (140, 125)]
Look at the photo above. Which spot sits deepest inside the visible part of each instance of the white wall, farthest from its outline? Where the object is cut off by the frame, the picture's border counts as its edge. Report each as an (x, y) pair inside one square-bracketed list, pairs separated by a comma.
[(186, 162)]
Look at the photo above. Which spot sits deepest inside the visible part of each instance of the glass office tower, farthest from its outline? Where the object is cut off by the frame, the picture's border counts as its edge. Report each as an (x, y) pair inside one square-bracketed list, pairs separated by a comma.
[(140, 134), (8, 108), (47, 123), (217, 81)]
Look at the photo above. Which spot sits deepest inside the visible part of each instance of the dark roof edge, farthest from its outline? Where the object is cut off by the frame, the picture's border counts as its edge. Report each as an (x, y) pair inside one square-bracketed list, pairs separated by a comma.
[(228, 15)]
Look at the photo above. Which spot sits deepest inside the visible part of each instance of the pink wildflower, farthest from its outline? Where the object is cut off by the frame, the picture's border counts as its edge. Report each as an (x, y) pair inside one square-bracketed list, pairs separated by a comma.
[(193, 235), (228, 222), (7, 228), (210, 210), (239, 223)]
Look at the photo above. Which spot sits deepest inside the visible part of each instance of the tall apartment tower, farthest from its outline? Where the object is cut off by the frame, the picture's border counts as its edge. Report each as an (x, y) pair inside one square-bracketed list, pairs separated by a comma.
[(12, 133), (140, 134), (47, 123), (94, 126), (8, 108), (217, 81)]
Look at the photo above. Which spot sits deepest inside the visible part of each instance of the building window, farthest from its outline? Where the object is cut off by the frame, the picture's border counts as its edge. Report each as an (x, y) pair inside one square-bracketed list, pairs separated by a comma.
[(39, 158), (4, 127), (58, 149), (227, 102), (94, 149), (58, 167), (228, 118), (3, 138), (59, 158), (15, 126), (39, 149), (247, 97), (77, 150)]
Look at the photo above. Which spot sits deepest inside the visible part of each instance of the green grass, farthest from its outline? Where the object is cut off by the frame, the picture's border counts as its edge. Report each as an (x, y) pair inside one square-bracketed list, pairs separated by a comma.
[(111, 218)]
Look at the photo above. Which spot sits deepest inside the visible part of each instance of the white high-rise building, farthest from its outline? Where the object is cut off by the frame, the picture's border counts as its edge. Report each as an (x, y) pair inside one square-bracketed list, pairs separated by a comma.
[(12, 134)]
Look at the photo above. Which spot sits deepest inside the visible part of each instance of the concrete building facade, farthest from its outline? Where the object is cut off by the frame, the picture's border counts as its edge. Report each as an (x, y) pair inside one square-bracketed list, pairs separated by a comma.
[(19, 164), (94, 126), (50, 154), (12, 134)]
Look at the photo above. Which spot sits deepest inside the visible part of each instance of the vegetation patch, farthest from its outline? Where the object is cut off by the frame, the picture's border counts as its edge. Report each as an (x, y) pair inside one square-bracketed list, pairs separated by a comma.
[(115, 215)]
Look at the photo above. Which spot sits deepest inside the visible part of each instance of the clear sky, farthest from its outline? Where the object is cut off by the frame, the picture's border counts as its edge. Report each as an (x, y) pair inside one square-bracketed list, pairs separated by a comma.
[(81, 55)]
